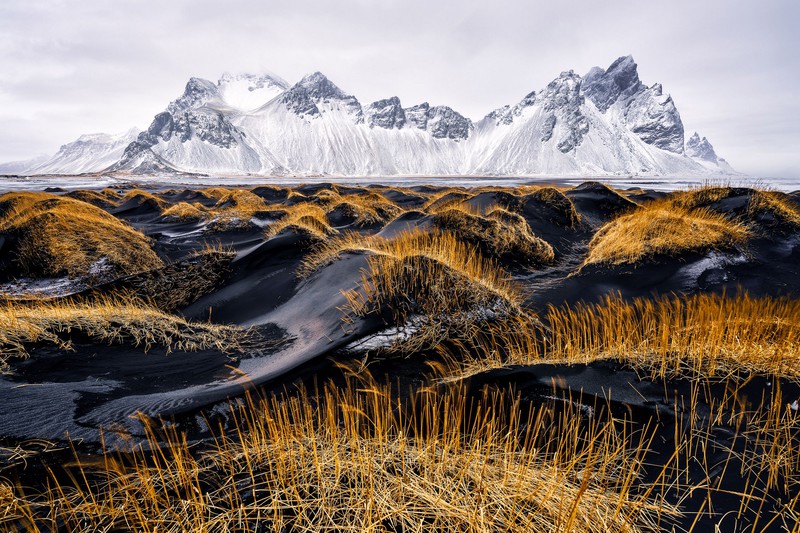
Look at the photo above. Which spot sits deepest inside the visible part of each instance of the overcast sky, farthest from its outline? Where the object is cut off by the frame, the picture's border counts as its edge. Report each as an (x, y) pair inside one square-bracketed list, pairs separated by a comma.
[(81, 66)]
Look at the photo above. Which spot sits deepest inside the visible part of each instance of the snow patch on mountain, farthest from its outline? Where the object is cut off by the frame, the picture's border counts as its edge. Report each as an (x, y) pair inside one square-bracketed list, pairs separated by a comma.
[(246, 92)]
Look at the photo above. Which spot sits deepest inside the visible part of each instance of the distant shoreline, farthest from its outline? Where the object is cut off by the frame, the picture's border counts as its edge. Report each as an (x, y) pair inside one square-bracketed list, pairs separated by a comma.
[(159, 181)]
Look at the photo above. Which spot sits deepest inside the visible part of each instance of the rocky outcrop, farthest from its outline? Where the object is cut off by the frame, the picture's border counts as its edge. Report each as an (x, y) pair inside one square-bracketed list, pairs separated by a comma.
[(387, 114)]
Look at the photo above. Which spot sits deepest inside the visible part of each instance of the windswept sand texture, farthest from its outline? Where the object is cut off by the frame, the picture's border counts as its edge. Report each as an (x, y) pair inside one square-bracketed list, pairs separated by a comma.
[(331, 357)]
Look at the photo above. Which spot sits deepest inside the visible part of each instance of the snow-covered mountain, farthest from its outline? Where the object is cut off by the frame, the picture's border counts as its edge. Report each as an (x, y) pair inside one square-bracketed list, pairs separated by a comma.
[(93, 152), (606, 122), (701, 151)]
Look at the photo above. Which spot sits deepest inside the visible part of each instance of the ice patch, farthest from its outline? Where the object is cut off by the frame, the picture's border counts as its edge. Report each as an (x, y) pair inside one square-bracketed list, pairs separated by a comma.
[(387, 337), (713, 260), (42, 287)]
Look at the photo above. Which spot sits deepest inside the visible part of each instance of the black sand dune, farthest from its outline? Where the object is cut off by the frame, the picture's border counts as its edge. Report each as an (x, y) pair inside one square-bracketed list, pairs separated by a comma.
[(260, 289), (251, 281)]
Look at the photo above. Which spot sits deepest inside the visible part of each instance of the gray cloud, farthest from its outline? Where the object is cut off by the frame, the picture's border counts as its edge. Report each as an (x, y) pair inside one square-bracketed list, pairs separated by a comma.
[(79, 66)]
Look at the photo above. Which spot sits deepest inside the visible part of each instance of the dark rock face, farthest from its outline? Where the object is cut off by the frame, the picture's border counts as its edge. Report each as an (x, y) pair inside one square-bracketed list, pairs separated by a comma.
[(547, 128), (604, 88), (700, 148), (418, 115), (655, 119), (197, 92), (563, 100), (444, 123), (441, 121), (140, 159), (304, 97), (387, 114), (209, 127)]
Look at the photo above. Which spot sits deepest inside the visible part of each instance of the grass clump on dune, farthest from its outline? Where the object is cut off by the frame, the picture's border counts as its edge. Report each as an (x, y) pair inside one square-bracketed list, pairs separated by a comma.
[(235, 209), (103, 319), (771, 208), (138, 196), (661, 228), (360, 208), (61, 236), (445, 199), (499, 233), (354, 460), (305, 218), (434, 279), (186, 212), (104, 198), (365, 209), (774, 208)]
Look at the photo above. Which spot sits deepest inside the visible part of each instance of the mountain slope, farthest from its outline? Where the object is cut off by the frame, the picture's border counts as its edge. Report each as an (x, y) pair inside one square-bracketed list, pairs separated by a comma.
[(88, 153), (606, 122)]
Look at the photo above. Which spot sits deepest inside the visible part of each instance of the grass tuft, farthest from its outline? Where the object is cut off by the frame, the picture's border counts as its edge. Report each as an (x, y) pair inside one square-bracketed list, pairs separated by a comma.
[(103, 319), (435, 280), (62, 236), (499, 233), (306, 218), (662, 228)]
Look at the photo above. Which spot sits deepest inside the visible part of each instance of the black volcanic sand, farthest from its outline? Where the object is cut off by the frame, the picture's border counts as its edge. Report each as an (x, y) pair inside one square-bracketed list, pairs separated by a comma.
[(55, 393)]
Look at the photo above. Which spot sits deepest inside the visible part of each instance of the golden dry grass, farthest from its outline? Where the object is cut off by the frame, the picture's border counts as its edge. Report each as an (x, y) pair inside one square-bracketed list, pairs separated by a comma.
[(103, 198), (234, 208), (707, 339), (103, 319), (140, 196), (435, 279), (776, 205), (358, 462), (365, 209), (772, 207), (703, 335), (306, 218), (58, 236), (701, 196), (499, 233), (186, 212), (662, 228)]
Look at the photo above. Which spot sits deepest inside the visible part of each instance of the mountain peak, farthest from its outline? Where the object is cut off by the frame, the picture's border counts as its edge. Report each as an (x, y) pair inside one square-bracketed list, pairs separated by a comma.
[(604, 87), (700, 148), (304, 96), (197, 92), (605, 122), (319, 87)]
